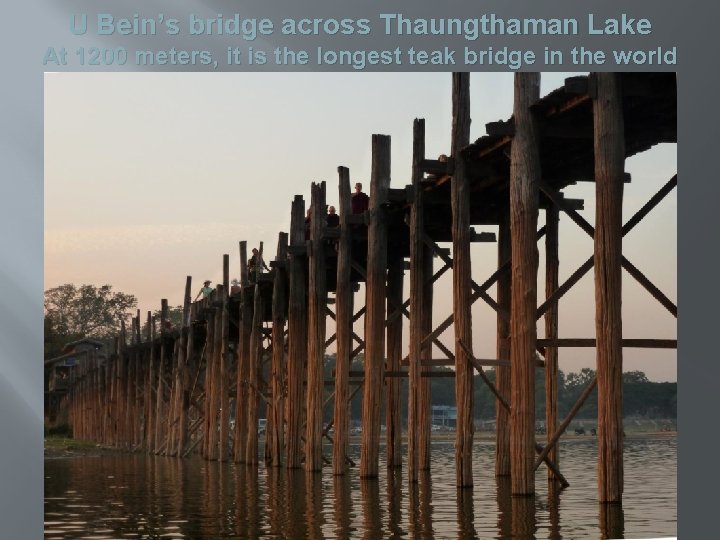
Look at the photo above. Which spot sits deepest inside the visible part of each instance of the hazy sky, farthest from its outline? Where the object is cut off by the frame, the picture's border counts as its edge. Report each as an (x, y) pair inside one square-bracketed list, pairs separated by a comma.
[(150, 177)]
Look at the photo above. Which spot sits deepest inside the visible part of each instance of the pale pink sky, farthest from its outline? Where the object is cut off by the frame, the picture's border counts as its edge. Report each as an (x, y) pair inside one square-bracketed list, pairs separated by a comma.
[(150, 177)]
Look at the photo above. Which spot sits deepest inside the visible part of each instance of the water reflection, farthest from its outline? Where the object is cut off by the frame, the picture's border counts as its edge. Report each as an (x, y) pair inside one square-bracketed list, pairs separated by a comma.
[(523, 517), (342, 506), (150, 497), (612, 521), (466, 514)]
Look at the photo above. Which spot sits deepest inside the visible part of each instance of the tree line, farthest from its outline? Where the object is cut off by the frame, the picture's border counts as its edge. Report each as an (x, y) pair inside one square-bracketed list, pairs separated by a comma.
[(73, 313), (641, 397)]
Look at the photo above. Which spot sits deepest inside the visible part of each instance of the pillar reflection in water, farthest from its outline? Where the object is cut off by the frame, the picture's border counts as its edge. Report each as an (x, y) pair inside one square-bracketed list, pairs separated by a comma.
[(342, 506), (394, 502), (372, 517), (612, 520), (314, 505), (426, 507), (504, 502), (523, 517), (554, 491), (293, 524), (277, 500), (466, 514)]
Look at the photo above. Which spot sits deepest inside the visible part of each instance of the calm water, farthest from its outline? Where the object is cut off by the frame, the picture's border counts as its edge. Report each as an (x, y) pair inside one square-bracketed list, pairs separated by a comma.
[(137, 496)]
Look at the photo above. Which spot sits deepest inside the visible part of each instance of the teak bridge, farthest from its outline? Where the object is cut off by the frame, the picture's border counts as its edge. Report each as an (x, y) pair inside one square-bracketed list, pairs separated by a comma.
[(170, 391)]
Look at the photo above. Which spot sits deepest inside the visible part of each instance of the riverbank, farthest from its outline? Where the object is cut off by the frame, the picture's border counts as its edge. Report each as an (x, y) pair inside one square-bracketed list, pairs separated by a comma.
[(64, 447)]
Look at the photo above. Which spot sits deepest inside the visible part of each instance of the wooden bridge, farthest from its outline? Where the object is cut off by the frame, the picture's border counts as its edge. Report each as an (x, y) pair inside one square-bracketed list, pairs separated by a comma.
[(172, 390)]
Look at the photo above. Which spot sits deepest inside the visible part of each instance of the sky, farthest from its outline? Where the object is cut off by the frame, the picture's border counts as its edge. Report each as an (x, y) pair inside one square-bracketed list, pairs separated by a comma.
[(151, 177)]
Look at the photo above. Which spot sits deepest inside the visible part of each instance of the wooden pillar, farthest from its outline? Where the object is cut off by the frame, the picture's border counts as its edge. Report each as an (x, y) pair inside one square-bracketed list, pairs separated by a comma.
[(424, 416), (524, 173), (241, 399), (417, 280), (122, 388), (256, 348), (210, 438), (552, 264), (609, 168), (160, 427), (502, 373), (462, 315), (343, 315), (151, 389), (224, 387), (375, 303), (187, 346), (317, 303), (297, 333), (276, 410), (393, 424)]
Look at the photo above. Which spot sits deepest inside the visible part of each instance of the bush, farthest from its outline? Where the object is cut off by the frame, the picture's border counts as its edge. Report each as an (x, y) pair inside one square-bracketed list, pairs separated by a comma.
[(61, 430)]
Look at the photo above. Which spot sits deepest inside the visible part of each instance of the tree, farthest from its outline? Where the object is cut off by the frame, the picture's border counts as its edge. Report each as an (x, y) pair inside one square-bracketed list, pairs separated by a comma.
[(86, 311), (635, 377)]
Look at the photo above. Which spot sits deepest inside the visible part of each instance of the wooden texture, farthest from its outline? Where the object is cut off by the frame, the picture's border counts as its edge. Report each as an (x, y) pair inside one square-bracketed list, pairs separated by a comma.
[(344, 311), (524, 174), (276, 410), (609, 167), (552, 266), (243, 368), (297, 336), (424, 414), (255, 357), (375, 301), (417, 280), (393, 431), (462, 315), (502, 373), (224, 362), (317, 303)]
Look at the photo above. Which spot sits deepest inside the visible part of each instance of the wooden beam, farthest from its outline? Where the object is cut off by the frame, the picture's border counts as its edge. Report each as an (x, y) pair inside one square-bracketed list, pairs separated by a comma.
[(625, 343)]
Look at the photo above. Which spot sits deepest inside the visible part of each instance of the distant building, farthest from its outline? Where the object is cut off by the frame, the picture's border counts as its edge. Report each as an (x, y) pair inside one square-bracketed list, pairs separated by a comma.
[(444, 415), (62, 372)]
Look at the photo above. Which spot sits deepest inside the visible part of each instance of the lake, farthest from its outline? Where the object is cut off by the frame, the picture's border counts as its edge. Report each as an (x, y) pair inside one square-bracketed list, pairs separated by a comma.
[(140, 496)]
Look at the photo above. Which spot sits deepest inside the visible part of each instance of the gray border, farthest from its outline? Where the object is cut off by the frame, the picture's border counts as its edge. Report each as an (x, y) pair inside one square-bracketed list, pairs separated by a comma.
[(31, 27)]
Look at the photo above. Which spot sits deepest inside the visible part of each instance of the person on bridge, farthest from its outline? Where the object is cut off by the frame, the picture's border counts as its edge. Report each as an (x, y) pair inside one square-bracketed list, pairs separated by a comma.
[(205, 291), (360, 200)]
